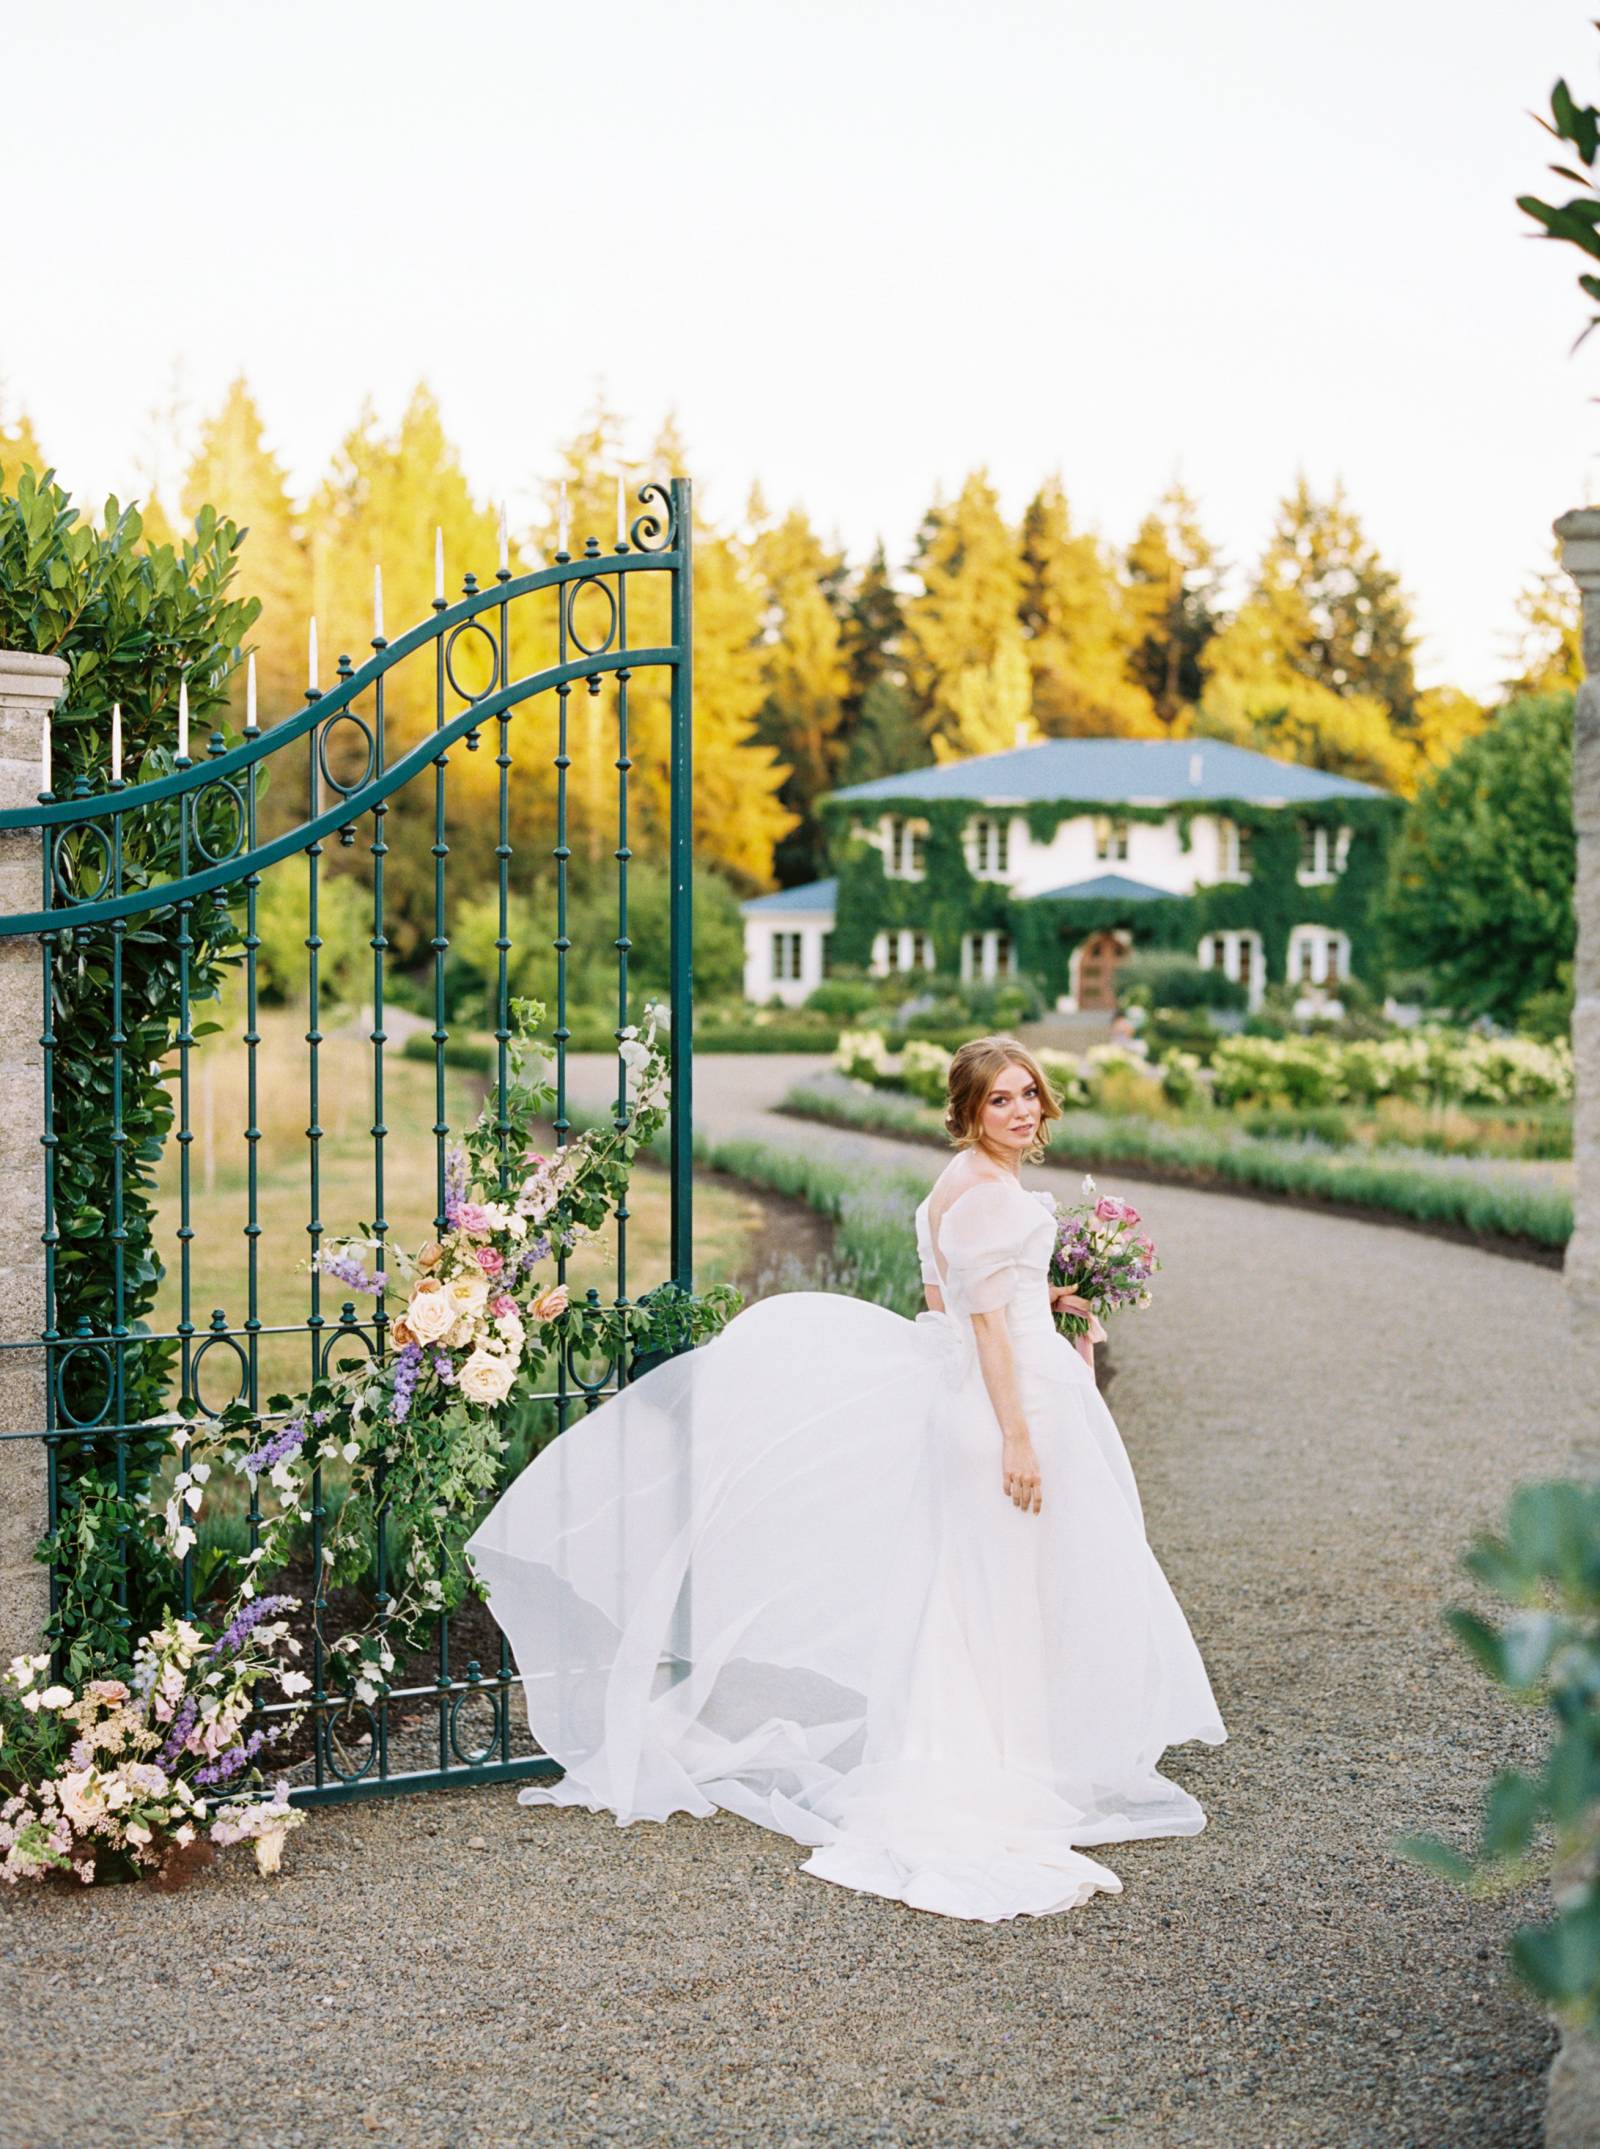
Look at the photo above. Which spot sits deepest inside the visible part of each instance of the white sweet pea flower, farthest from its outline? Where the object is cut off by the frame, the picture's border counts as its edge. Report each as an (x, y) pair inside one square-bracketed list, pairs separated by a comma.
[(56, 1697), (295, 1682)]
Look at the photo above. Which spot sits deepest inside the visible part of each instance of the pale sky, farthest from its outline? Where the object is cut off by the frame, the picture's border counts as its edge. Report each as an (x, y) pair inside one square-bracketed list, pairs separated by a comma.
[(860, 246)]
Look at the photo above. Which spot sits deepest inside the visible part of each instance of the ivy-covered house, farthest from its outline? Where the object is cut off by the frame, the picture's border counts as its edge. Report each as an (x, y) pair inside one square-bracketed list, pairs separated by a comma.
[(1055, 860)]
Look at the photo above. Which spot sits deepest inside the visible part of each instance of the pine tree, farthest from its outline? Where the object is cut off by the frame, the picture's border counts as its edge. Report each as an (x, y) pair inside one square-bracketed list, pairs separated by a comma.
[(1326, 607), (806, 678), (237, 473), (1079, 634), (1172, 602), (874, 623), (1549, 652), (963, 634)]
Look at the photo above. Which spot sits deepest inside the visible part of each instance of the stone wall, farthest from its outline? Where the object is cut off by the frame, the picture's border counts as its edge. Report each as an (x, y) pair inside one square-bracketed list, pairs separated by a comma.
[(30, 687), (1579, 533)]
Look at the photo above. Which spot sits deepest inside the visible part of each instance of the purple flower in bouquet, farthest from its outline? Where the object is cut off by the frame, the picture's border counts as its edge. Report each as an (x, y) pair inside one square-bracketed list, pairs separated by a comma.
[(407, 1372), (346, 1268), (246, 1620), (276, 1448)]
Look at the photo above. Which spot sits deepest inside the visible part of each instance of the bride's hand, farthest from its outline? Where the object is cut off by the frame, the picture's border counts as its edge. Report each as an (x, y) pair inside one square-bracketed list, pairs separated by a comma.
[(1019, 1467), (1064, 1301)]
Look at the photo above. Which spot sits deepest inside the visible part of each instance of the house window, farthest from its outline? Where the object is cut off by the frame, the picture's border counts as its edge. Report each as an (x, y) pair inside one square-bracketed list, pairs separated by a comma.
[(1323, 851), (987, 955), (989, 845), (1318, 956), (1233, 851), (827, 955), (904, 853), (897, 954), (1110, 839), (786, 957), (1236, 954)]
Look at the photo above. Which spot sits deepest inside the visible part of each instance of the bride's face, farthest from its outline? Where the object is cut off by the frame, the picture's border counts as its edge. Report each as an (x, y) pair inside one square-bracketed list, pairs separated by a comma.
[(1011, 1111)]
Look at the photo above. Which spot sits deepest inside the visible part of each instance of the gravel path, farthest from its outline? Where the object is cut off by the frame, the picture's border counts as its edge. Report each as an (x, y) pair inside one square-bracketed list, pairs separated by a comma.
[(1320, 1412)]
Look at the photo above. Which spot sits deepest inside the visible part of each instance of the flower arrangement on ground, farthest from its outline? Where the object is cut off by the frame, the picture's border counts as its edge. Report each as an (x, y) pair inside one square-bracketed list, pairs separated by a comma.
[(137, 1776), (1102, 1255)]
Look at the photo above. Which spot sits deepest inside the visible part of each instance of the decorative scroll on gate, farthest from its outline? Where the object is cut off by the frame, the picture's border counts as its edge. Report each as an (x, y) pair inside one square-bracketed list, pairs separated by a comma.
[(617, 626)]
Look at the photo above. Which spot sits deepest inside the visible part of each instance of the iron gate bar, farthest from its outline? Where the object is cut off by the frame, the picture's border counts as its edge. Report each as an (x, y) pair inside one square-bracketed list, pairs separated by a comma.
[(102, 816)]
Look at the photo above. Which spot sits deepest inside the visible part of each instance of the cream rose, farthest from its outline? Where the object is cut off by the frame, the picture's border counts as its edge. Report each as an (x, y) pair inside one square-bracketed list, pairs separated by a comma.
[(486, 1377), (430, 1313)]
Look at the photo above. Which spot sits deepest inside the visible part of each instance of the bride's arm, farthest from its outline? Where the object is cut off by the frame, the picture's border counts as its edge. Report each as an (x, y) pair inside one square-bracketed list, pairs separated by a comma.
[(934, 1296), (1019, 1465)]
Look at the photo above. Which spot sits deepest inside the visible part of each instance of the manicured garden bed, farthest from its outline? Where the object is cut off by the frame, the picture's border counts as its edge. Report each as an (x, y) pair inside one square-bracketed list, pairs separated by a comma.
[(1529, 1219)]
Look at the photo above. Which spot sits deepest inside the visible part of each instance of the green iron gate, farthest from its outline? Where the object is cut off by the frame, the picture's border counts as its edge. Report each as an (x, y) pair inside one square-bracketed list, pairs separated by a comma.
[(613, 630)]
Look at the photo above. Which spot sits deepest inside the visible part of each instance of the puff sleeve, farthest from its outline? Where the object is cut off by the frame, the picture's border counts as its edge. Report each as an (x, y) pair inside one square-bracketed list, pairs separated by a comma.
[(930, 1267), (980, 1237)]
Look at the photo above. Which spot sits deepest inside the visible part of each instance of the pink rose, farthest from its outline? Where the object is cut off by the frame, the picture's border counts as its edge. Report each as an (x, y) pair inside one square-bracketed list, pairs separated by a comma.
[(471, 1216), (549, 1303), (1111, 1211), (502, 1305), (489, 1261)]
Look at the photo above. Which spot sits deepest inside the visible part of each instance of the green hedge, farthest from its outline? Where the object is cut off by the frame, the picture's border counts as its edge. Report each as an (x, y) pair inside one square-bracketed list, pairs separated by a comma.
[(1534, 1215)]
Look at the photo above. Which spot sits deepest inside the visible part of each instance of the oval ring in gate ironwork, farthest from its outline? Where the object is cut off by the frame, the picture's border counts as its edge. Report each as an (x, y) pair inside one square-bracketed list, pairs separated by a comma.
[(241, 821), (326, 1734), (574, 592), (477, 1689), (62, 858), (219, 1334), (100, 1354), (368, 767), (472, 626)]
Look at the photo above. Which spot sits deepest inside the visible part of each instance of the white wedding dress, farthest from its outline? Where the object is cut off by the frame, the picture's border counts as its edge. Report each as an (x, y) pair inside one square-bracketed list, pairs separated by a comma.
[(779, 1575)]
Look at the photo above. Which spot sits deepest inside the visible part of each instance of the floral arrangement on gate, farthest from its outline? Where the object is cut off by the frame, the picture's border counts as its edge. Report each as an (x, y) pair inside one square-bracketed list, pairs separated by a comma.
[(147, 1774), (1103, 1256), (421, 1428)]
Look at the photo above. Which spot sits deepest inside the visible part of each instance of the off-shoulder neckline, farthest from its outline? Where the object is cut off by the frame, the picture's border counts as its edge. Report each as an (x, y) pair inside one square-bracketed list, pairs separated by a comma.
[(1029, 1193)]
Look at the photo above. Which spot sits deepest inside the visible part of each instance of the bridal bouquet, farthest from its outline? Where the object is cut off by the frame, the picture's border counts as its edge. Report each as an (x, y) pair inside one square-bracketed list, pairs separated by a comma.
[(1102, 1256)]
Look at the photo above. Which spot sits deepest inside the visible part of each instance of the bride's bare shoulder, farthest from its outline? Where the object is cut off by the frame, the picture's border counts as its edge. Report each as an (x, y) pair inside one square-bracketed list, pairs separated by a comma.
[(962, 1175)]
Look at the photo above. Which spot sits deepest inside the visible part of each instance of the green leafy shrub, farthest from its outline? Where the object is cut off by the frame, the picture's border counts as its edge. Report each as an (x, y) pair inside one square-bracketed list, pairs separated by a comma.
[(846, 996), (1162, 977), (1544, 1652), (131, 624)]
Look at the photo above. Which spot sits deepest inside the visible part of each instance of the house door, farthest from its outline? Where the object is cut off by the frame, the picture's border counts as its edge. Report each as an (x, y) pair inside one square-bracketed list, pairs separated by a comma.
[(1098, 959)]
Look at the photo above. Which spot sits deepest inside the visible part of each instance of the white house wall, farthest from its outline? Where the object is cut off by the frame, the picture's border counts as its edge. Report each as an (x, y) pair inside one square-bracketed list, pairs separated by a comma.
[(759, 983), (1155, 855)]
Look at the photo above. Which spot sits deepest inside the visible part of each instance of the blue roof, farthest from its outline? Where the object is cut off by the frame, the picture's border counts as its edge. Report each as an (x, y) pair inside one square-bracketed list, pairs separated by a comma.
[(1117, 772), (1104, 888), (810, 895)]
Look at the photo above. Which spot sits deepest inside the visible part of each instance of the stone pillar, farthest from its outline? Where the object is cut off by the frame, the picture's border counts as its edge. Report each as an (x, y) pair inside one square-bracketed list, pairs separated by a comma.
[(30, 687), (1572, 2116)]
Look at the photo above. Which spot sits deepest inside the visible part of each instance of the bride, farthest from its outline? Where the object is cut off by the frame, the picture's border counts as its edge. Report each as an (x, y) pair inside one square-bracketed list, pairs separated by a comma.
[(881, 1585)]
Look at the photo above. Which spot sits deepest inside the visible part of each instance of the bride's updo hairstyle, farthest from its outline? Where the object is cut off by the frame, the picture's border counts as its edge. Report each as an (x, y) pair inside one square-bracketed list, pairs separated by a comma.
[(972, 1072)]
